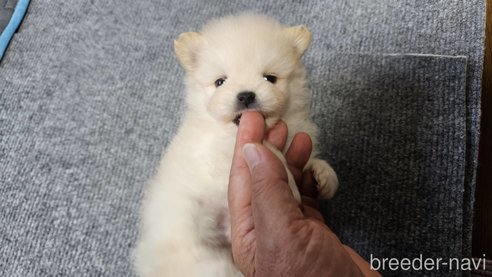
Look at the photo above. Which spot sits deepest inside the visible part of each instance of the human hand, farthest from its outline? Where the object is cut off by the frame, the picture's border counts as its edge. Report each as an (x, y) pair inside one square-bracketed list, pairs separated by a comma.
[(271, 234)]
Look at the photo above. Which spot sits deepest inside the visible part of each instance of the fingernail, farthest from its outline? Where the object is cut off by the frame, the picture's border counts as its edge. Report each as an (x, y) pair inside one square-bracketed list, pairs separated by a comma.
[(251, 154)]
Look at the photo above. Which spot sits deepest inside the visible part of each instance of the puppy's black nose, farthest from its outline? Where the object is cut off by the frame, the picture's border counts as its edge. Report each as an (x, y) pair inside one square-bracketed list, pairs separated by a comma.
[(245, 98)]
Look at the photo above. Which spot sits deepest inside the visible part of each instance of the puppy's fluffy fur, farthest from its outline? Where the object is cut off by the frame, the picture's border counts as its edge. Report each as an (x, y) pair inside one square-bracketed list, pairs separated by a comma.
[(185, 227)]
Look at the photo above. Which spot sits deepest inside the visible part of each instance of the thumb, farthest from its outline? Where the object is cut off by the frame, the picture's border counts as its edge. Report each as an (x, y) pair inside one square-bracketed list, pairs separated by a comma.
[(273, 204)]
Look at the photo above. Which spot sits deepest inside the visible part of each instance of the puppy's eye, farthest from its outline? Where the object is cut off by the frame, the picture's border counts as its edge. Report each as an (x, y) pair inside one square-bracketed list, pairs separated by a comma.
[(270, 78), (219, 82)]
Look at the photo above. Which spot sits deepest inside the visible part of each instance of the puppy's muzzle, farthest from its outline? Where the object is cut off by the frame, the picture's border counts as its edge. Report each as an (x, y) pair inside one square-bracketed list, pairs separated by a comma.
[(246, 99)]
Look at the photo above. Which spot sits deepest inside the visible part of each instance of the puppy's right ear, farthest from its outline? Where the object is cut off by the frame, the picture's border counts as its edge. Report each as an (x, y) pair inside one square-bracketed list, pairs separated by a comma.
[(301, 36), (186, 48)]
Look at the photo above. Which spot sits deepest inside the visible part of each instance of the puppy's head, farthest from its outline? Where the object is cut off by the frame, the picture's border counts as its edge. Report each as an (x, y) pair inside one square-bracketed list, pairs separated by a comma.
[(246, 62)]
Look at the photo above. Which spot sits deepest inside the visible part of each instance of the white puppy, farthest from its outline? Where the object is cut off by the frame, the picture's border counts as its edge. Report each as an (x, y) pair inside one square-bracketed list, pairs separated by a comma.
[(236, 63)]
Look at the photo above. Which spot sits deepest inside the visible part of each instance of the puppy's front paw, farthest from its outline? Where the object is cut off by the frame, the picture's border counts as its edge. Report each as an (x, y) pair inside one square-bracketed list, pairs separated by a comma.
[(326, 178)]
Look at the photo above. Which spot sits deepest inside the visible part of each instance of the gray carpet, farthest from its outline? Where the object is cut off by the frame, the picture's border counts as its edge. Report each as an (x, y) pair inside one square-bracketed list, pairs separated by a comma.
[(6, 11), (399, 150), (90, 95)]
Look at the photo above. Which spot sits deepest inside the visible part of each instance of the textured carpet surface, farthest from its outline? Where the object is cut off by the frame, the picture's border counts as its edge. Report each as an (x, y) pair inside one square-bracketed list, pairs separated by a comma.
[(13, 12), (399, 150), (90, 95)]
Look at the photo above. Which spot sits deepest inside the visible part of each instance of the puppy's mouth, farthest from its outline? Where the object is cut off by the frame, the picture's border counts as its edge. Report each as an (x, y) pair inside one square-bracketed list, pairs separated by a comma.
[(237, 119)]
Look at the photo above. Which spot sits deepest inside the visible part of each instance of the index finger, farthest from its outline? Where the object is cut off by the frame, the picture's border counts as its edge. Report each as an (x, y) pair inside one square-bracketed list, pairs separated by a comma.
[(298, 154), (277, 136)]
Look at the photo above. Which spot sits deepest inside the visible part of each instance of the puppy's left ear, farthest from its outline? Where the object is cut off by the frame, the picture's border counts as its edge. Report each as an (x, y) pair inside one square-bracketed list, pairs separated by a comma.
[(301, 36), (186, 48)]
